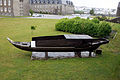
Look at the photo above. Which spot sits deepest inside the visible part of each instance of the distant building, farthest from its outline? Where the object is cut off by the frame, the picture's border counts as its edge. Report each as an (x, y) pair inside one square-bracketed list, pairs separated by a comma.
[(22, 7), (118, 10), (52, 6), (97, 11)]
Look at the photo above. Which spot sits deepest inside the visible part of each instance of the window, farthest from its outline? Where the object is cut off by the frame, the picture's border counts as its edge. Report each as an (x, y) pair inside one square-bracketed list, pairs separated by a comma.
[(0, 2), (1, 9), (5, 2), (53, 2), (57, 2), (21, 0), (9, 9), (35, 6), (21, 5), (34, 1), (38, 1), (48, 2), (9, 2), (5, 9), (71, 3), (44, 2), (67, 2), (31, 1)]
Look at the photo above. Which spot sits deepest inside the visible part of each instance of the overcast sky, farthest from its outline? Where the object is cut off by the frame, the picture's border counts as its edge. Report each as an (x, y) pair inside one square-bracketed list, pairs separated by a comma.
[(97, 3)]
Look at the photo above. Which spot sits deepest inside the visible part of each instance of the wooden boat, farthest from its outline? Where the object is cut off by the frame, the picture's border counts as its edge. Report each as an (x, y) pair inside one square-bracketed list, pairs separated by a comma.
[(60, 43), (115, 20)]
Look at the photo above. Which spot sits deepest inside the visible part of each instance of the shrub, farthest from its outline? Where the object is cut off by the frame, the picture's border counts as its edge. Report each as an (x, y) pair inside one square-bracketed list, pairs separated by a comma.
[(60, 26), (84, 26), (95, 20), (31, 12), (104, 29), (90, 28), (76, 18), (101, 18)]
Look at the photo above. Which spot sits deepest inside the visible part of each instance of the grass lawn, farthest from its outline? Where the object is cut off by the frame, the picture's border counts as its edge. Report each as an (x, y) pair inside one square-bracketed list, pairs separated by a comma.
[(15, 64)]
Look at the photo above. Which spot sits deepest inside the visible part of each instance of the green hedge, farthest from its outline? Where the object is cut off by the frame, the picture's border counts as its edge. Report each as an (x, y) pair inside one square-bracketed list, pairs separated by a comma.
[(84, 26)]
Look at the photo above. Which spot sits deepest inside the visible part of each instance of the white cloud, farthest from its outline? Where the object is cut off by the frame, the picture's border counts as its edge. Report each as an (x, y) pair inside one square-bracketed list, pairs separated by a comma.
[(97, 3)]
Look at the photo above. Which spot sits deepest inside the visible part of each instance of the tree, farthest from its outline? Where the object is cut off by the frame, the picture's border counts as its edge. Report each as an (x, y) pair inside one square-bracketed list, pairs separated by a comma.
[(92, 11), (79, 12), (31, 12)]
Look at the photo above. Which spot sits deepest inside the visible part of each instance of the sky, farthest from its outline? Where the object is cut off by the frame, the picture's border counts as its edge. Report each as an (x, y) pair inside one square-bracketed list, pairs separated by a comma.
[(112, 4)]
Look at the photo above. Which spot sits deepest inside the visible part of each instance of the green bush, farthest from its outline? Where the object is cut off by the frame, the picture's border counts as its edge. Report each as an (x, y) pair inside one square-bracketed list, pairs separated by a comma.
[(102, 18), (76, 18), (31, 12), (104, 29), (95, 20), (84, 26), (60, 26)]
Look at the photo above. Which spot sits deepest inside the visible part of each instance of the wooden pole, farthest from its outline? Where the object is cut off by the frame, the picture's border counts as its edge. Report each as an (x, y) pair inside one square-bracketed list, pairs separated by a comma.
[(78, 54), (90, 53), (46, 55)]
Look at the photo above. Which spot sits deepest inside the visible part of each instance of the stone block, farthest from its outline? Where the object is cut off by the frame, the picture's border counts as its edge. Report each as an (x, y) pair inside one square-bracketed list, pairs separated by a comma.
[(54, 55), (61, 54)]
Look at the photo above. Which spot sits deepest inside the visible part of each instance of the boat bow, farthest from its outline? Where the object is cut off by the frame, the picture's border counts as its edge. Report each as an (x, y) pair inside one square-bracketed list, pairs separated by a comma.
[(11, 41)]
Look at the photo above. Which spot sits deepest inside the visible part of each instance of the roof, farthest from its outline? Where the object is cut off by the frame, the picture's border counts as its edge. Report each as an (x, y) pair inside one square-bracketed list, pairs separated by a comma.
[(68, 2), (58, 37), (78, 37), (119, 5)]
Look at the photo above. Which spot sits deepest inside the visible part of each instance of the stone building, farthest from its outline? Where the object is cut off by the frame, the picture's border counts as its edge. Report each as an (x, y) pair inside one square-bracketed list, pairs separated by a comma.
[(52, 6), (118, 10), (22, 7)]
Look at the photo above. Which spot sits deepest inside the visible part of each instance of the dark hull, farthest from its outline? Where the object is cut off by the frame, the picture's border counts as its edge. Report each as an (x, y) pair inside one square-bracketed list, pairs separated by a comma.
[(60, 44), (57, 49), (115, 20)]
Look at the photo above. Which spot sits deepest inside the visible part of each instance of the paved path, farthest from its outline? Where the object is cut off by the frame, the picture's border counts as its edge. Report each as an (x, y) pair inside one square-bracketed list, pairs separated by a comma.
[(46, 16), (52, 17)]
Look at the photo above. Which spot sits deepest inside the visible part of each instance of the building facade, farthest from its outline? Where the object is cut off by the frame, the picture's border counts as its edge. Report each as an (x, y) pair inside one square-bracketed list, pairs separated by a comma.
[(6, 7), (22, 7), (118, 10)]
